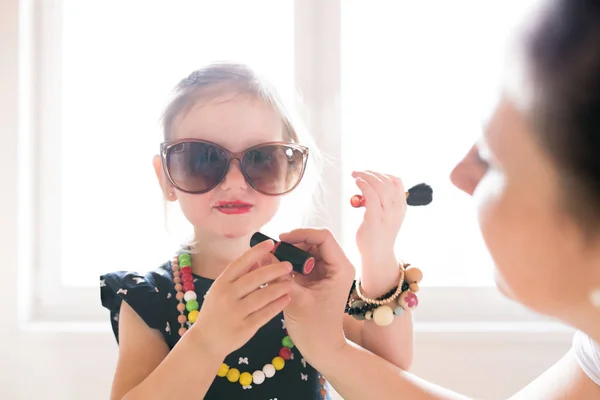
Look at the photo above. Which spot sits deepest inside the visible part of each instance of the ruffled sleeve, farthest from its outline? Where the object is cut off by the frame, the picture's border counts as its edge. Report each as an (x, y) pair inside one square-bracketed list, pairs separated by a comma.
[(148, 295)]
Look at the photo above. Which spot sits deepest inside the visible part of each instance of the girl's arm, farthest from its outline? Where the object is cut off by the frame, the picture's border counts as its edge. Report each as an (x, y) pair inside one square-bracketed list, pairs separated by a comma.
[(146, 369), (393, 342), (385, 208)]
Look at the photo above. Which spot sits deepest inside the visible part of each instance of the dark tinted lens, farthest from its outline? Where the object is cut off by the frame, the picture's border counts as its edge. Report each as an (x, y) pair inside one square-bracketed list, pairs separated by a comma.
[(274, 169), (196, 166)]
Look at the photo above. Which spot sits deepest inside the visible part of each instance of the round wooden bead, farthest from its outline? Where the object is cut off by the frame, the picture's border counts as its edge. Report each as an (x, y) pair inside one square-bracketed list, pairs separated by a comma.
[(233, 375), (190, 295), (182, 319), (175, 268), (408, 300), (269, 370), (285, 353), (258, 377), (369, 315), (245, 379), (192, 305), (414, 287), (193, 316), (287, 342), (179, 288), (182, 331), (278, 363), (323, 392), (223, 369), (181, 307), (176, 274), (413, 275), (383, 315), (176, 279)]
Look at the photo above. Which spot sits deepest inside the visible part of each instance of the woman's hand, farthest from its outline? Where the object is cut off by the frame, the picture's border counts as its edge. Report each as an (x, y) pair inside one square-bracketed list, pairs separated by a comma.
[(314, 316)]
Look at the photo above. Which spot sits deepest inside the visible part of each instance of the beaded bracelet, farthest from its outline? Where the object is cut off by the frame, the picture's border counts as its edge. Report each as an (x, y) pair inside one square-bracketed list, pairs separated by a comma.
[(379, 309)]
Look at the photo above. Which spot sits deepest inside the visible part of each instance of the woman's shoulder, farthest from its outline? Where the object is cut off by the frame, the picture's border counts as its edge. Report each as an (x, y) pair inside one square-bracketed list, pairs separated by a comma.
[(587, 353)]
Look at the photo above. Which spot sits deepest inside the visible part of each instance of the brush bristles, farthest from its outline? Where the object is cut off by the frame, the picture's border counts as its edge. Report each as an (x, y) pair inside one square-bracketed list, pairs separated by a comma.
[(419, 195)]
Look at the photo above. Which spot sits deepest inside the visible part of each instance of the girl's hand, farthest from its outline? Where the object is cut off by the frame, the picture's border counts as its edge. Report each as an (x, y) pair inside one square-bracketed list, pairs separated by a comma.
[(385, 209), (236, 306), (314, 317)]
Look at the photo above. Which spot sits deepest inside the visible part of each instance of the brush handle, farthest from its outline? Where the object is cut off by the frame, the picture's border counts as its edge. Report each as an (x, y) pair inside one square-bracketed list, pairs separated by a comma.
[(358, 200), (420, 195)]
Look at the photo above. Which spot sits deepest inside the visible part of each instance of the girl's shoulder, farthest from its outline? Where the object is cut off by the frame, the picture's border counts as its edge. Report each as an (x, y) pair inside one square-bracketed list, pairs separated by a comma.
[(149, 294)]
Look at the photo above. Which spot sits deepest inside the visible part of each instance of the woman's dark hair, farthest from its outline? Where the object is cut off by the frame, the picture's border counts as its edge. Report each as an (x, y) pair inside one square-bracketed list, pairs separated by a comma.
[(563, 52)]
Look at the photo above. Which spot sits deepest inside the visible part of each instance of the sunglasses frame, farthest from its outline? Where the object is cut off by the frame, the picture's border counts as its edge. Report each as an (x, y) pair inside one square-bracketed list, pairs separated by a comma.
[(166, 146)]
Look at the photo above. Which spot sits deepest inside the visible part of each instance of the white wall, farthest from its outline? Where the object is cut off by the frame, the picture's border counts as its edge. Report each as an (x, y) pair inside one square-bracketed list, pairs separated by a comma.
[(37, 361)]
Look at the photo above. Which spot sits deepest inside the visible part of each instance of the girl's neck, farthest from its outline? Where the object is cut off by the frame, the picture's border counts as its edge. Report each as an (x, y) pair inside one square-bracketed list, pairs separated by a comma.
[(210, 256)]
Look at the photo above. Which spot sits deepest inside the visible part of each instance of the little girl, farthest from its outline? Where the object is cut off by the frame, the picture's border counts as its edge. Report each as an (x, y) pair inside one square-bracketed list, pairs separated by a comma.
[(209, 322)]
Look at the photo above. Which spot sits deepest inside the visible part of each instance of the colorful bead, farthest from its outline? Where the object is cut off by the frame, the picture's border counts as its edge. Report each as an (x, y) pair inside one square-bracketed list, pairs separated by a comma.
[(187, 278), (383, 315), (245, 378), (192, 305), (179, 295), (369, 315), (278, 363), (180, 307), (285, 353), (185, 256), (233, 375), (398, 311), (287, 342), (179, 288), (223, 369), (182, 331), (177, 279), (185, 263), (414, 287), (182, 319), (190, 295), (269, 370), (193, 316), (258, 377), (186, 270), (188, 286)]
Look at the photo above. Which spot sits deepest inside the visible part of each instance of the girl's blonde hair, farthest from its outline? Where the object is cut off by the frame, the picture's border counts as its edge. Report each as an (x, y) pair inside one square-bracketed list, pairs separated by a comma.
[(217, 79)]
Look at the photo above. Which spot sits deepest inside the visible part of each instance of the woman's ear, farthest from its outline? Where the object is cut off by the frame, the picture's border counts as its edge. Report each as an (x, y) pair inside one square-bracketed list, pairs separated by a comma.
[(166, 187)]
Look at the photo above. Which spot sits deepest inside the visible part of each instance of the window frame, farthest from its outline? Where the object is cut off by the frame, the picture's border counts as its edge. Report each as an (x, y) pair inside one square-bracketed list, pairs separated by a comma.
[(317, 75)]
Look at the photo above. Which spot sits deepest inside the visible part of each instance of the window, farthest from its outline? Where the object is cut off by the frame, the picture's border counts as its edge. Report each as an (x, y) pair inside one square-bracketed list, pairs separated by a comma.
[(417, 78), (109, 68), (365, 70)]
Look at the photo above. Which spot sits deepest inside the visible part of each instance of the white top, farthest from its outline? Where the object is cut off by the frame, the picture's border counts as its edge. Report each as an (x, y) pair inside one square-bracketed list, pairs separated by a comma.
[(587, 354)]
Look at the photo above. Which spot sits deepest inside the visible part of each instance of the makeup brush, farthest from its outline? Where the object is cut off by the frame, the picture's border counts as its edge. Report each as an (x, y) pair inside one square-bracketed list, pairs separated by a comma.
[(418, 195)]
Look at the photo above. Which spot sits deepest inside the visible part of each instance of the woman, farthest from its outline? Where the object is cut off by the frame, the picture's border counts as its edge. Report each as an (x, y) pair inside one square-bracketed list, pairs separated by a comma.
[(536, 180)]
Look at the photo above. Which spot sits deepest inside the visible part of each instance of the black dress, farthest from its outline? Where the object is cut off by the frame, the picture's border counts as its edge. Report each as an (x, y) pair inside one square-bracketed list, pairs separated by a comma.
[(152, 296)]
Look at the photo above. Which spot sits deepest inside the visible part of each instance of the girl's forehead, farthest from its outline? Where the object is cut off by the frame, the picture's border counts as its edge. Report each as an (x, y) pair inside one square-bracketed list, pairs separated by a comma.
[(235, 122)]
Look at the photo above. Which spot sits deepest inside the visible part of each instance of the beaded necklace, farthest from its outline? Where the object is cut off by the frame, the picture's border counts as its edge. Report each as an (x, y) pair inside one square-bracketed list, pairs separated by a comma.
[(185, 290)]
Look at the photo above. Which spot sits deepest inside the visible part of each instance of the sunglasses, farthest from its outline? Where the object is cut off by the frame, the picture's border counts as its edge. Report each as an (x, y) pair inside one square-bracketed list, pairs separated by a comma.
[(198, 166)]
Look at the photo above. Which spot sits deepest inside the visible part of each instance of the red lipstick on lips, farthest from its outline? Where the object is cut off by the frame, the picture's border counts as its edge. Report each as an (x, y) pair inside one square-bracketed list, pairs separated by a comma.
[(233, 207)]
